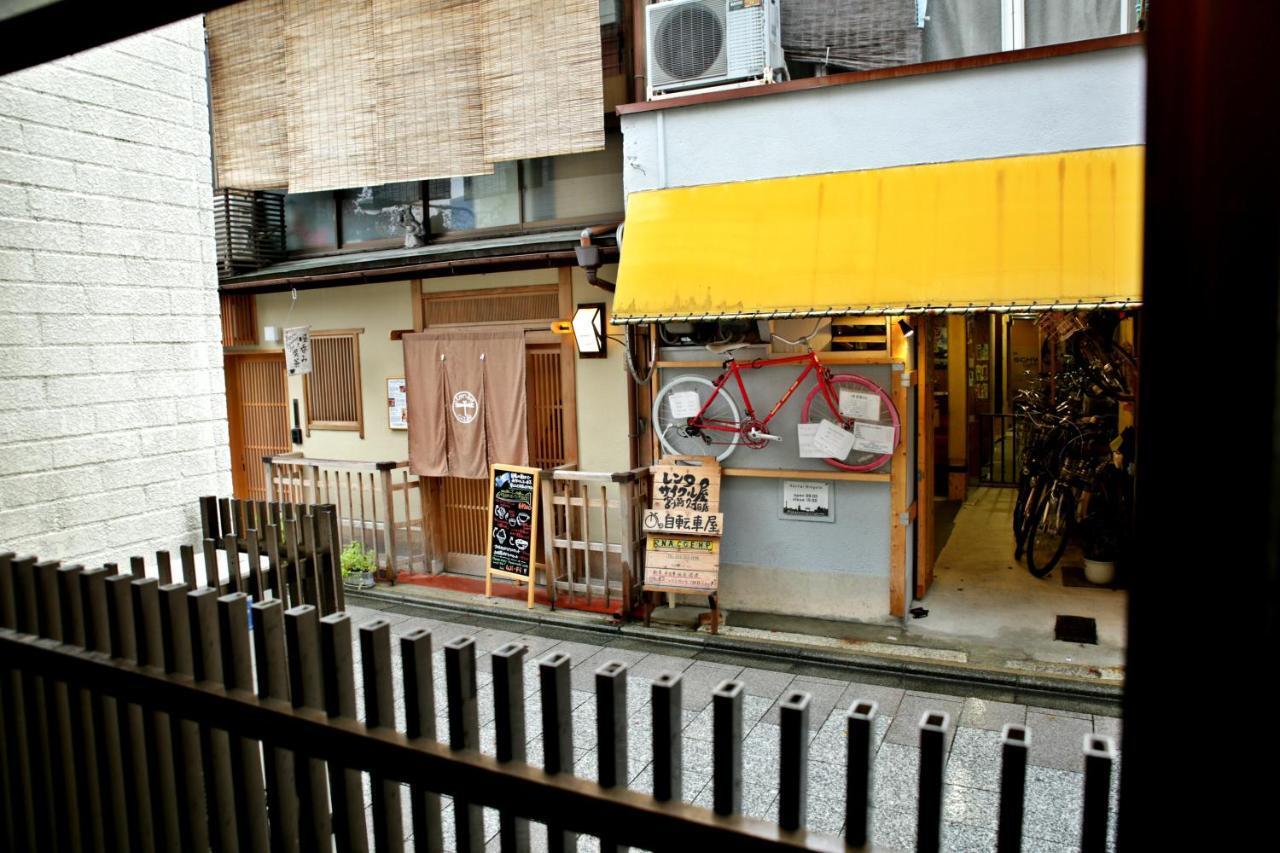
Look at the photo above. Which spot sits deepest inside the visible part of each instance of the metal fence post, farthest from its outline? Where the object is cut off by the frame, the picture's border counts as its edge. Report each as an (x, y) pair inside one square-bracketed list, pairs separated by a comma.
[(726, 750), (380, 713), (611, 734), (509, 727), (793, 773), (464, 733), (557, 734), (420, 724), (667, 731), (1015, 742), (858, 776), (1099, 754), (933, 742)]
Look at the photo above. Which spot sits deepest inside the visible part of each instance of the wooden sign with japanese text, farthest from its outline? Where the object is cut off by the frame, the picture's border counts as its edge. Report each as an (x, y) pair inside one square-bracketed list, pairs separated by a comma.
[(690, 483), (682, 563), (513, 525), (683, 521)]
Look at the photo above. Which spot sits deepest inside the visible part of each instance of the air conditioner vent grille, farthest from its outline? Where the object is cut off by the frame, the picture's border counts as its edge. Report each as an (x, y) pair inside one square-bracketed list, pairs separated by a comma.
[(689, 42)]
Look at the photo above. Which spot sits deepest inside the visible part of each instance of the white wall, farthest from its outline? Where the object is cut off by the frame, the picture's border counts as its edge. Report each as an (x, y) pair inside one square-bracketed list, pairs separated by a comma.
[(1068, 103), (112, 408)]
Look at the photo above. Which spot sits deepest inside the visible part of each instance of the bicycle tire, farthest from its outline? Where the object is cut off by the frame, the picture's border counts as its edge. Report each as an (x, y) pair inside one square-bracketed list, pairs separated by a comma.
[(1065, 512), (816, 408), (669, 430), (1026, 483)]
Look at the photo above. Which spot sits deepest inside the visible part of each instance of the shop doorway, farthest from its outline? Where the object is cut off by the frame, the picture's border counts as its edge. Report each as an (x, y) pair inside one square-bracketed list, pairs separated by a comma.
[(257, 417), (1032, 455)]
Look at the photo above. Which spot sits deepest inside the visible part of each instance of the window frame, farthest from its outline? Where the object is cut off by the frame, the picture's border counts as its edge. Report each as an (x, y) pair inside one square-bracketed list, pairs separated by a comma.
[(358, 380)]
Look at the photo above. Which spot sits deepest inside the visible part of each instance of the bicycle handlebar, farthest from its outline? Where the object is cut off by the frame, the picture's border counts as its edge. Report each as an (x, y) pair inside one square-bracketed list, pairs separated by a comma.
[(803, 339)]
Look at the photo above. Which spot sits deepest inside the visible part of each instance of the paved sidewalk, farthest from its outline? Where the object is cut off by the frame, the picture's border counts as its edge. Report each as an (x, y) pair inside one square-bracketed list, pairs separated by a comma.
[(1054, 777)]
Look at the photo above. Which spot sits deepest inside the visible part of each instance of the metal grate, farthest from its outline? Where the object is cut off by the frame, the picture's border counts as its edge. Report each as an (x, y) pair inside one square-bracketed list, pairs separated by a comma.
[(248, 226), (689, 42)]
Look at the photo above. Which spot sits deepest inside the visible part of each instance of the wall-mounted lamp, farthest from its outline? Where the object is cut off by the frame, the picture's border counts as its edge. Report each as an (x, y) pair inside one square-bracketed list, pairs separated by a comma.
[(906, 328), (588, 330)]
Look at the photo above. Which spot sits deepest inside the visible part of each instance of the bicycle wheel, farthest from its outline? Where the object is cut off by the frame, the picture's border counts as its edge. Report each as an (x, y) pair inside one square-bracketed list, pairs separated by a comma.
[(676, 436), (1048, 535), (816, 409), (1026, 495)]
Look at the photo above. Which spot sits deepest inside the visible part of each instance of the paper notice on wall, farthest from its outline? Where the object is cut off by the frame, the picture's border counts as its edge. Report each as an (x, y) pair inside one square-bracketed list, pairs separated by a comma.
[(684, 404), (297, 350), (863, 407), (872, 438), (823, 440)]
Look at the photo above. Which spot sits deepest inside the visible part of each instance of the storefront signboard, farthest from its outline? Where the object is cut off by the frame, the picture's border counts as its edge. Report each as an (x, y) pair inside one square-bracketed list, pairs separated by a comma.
[(690, 483), (513, 525), (682, 564), (683, 521)]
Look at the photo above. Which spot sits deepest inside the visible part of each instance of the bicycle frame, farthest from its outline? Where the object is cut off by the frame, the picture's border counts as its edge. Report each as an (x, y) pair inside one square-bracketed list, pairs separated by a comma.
[(733, 368)]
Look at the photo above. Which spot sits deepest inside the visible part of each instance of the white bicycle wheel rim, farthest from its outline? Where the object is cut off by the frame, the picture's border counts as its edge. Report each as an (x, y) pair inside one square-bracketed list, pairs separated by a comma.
[(661, 398)]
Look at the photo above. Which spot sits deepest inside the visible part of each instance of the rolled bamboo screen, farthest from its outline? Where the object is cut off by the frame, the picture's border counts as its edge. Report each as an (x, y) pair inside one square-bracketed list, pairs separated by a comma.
[(329, 94)]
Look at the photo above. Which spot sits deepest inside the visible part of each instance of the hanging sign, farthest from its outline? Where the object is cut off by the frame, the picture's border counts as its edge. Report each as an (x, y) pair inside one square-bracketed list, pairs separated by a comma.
[(297, 350), (397, 404), (513, 525), (872, 438), (864, 407)]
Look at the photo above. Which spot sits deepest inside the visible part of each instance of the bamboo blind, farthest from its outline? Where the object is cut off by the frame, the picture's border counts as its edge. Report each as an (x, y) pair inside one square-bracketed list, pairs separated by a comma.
[(329, 94), (246, 61), (332, 387), (239, 320)]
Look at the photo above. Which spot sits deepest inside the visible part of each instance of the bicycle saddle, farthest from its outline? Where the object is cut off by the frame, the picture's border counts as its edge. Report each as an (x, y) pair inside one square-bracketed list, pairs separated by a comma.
[(720, 349)]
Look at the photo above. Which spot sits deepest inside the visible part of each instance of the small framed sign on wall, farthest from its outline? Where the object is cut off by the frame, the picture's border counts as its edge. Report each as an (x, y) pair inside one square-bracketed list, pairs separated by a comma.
[(397, 404), (807, 500)]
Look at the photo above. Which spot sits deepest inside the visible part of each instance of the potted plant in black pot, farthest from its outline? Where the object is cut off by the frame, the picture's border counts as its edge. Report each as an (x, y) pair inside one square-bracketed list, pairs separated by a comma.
[(358, 565)]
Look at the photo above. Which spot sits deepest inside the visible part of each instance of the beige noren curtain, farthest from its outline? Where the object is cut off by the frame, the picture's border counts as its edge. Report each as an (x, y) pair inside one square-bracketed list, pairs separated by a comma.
[(328, 94), (466, 402)]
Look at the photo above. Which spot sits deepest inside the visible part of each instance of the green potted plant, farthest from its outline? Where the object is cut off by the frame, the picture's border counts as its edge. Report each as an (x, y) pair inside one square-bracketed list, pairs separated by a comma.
[(358, 565), (1101, 548)]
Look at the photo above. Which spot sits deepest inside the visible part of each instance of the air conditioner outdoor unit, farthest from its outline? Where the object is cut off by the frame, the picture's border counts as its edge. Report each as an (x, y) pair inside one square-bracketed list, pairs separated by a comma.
[(695, 44)]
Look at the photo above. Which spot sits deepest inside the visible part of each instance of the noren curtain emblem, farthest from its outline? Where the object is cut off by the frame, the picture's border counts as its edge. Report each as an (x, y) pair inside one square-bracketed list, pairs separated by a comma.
[(465, 407)]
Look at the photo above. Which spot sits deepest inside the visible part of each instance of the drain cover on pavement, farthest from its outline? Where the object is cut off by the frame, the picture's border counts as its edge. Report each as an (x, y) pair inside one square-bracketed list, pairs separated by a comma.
[(1076, 629)]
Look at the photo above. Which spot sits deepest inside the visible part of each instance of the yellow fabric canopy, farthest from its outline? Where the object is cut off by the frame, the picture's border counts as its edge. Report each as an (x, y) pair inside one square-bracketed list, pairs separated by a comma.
[(1013, 233)]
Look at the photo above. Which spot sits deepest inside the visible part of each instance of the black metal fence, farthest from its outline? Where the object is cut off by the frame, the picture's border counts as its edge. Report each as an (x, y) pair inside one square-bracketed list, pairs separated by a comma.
[(1002, 443), (145, 716)]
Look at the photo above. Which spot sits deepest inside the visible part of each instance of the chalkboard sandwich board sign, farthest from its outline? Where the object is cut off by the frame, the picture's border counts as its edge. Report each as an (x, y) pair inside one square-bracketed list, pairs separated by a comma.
[(513, 525)]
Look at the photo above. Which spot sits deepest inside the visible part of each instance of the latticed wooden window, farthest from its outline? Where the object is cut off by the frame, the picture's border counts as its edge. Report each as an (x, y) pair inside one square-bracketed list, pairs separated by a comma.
[(239, 320), (332, 388)]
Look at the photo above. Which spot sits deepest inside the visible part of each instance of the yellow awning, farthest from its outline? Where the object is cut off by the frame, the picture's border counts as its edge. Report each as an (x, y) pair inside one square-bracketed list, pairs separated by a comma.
[(1013, 233)]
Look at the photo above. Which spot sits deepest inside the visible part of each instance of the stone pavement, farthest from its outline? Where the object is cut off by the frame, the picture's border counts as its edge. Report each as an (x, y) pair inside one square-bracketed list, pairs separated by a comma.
[(1054, 774)]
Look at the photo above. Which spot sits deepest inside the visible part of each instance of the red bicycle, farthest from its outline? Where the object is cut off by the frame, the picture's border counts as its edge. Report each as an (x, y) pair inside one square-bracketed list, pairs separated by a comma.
[(693, 414)]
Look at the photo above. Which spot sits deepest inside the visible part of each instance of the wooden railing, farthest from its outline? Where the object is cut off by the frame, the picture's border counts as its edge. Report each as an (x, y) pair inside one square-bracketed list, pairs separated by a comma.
[(379, 504), (136, 716), (591, 528)]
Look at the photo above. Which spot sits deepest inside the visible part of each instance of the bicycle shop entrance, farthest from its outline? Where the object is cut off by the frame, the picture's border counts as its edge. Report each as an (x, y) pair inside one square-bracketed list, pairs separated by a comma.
[(886, 292)]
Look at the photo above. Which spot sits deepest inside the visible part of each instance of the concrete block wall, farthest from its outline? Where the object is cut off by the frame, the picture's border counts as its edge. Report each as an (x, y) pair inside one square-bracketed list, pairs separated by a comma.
[(112, 402)]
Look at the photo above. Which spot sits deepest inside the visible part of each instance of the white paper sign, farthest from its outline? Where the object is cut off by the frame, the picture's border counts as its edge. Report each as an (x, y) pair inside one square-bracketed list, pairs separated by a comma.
[(823, 440), (397, 404), (297, 350), (804, 437), (684, 404), (872, 438), (864, 407)]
